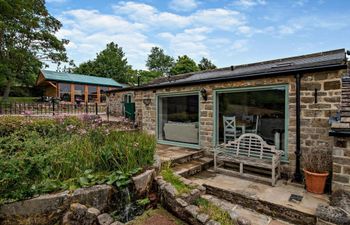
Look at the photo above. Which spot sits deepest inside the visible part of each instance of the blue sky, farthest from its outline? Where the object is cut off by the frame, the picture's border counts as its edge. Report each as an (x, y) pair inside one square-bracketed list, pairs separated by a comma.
[(229, 32)]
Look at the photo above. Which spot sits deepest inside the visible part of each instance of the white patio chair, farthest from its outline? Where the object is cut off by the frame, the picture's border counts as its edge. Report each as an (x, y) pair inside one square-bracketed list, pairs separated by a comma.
[(254, 129), (230, 131)]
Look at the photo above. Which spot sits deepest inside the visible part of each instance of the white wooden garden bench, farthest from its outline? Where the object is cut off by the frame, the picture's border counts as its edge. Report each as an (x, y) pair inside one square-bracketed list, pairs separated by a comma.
[(251, 150)]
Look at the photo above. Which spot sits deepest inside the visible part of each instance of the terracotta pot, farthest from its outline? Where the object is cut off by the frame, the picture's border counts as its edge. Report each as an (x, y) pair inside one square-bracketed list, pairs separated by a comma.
[(315, 182)]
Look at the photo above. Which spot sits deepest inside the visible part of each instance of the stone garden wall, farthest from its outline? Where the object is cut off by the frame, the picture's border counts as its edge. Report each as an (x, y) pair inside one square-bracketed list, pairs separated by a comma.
[(94, 204), (314, 115)]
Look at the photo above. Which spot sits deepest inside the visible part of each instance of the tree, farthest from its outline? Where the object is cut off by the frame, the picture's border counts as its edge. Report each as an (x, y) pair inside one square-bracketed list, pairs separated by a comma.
[(110, 62), (145, 76), (27, 39), (184, 64), (158, 61), (206, 64)]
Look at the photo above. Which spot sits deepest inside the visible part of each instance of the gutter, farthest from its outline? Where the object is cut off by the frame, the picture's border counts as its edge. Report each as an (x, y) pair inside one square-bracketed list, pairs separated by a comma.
[(297, 173), (235, 77), (339, 133)]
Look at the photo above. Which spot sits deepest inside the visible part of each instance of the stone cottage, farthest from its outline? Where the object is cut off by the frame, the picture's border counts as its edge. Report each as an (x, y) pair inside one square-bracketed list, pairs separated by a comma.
[(289, 102)]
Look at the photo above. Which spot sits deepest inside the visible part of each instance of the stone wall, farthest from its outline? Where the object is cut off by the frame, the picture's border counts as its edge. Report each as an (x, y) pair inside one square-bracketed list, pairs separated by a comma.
[(341, 149), (50, 208), (115, 101), (314, 116), (341, 163)]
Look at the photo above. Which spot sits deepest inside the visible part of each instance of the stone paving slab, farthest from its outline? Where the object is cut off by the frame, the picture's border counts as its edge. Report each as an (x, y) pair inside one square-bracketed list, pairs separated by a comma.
[(278, 195)]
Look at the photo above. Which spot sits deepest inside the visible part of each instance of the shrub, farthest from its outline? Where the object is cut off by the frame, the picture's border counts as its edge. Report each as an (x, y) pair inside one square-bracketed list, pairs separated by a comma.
[(318, 161), (9, 124)]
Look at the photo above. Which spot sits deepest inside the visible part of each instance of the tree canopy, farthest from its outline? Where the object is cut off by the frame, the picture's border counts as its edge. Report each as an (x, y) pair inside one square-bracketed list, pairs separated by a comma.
[(145, 76), (27, 38), (158, 61), (110, 62), (206, 64), (184, 64)]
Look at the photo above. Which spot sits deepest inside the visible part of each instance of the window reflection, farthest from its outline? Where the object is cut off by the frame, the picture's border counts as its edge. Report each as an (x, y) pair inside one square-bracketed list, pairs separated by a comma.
[(178, 119), (65, 92), (261, 112)]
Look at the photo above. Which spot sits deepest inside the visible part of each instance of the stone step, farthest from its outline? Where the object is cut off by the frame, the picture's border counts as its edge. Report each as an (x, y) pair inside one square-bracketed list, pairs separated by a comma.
[(236, 211), (187, 158), (177, 155), (192, 167)]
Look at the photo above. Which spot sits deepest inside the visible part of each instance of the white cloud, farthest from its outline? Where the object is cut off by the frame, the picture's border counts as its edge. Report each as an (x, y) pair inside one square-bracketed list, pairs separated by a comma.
[(190, 42), (309, 23), (149, 15), (218, 18), (183, 5), (89, 31), (133, 26), (300, 2), (288, 29), (240, 45), (249, 3), (223, 19)]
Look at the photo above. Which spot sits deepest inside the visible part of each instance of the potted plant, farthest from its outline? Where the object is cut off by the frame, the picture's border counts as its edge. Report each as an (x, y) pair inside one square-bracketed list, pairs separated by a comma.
[(316, 167)]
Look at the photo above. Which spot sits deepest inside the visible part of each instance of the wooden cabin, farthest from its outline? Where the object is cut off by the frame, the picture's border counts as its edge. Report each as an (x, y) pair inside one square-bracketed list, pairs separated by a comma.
[(69, 87)]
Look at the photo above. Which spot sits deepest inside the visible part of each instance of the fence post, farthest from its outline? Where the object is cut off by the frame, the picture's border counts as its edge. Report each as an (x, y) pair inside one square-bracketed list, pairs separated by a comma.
[(96, 108), (53, 107), (108, 112)]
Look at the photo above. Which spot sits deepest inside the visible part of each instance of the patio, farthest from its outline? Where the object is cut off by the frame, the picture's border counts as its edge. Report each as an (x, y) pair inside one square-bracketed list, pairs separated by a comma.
[(278, 195), (285, 201)]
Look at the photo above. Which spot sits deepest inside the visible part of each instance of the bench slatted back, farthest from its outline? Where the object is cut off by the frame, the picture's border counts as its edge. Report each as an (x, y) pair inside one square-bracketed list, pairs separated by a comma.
[(250, 145)]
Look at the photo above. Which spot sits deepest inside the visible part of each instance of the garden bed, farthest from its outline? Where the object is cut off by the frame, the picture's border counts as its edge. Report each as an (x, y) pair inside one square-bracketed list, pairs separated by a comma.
[(65, 153)]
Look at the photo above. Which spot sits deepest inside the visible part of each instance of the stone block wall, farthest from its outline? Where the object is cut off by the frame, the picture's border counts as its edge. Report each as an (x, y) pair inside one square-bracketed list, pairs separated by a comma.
[(341, 163), (115, 102), (315, 112), (314, 115)]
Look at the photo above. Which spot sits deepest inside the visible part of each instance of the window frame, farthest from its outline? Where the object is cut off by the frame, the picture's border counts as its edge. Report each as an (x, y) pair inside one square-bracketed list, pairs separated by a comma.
[(218, 91), (175, 143), (60, 84)]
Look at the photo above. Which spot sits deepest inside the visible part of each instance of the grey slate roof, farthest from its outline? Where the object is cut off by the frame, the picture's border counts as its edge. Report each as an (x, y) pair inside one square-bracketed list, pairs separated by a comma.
[(321, 60)]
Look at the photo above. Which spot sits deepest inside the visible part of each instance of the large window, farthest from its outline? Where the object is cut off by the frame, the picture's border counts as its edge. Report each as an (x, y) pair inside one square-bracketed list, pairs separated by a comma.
[(259, 111), (92, 93), (65, 92), (103, 91), (178, 118), (79, 94)]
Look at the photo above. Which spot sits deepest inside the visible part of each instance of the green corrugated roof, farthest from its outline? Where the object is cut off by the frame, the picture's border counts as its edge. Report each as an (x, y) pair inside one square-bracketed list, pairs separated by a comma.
[(79, 78)]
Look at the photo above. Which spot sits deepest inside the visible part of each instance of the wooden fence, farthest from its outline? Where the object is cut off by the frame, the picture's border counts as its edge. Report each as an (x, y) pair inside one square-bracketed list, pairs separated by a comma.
[(52, 108)]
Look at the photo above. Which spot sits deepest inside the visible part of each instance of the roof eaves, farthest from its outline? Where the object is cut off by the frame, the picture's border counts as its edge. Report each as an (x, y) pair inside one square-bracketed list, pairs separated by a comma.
[(336, 64)]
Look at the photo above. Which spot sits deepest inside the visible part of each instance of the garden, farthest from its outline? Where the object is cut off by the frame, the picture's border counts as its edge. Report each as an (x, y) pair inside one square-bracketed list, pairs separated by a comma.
[(48, 155)]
